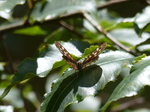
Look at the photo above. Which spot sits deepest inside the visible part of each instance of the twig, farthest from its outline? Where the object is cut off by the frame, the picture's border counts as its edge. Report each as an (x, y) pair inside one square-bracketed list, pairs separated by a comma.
[(110, 3), (101, 30), (31, 5), (98, 27), (115, 2), (51, 20), (71, 28), (78, 14)]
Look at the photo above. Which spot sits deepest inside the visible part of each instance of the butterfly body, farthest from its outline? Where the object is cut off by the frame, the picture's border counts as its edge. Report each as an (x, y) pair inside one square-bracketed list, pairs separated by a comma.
[(80, 65)]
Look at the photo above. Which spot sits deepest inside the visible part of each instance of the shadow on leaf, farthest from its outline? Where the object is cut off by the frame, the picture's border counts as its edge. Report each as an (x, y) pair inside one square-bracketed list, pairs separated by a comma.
[(72, 89)]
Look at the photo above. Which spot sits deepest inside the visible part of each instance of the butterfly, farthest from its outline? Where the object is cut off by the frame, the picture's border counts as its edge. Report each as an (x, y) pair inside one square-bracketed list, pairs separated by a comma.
[(80, 65)]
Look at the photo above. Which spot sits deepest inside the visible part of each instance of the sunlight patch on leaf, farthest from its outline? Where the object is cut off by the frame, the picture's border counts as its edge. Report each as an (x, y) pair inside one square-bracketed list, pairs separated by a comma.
[(133, 83), (75, 86), (55, 8)]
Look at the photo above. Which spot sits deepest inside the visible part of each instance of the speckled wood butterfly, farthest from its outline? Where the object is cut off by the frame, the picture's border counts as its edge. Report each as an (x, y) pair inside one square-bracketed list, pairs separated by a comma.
[(80, 65)]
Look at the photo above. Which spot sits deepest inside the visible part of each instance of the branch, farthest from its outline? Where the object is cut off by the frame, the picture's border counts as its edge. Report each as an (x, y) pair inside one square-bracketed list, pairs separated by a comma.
[(78, 14), (110, 3), (71, 28), (31, 5), (22, 24), (101, 30)]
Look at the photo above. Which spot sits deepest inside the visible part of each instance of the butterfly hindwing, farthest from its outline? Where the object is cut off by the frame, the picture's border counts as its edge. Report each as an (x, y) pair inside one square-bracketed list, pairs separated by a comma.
[(94, 55), (66, 56)]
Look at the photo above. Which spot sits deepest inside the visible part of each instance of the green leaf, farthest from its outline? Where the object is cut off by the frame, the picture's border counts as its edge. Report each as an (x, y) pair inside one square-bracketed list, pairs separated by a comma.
[(40, 65), (139, 58), (72, 88), (7, 5), (131, 33), (146, 28), (75, 86), (58, 64), (55, 8), (35, 30), (133, 83), (6, 91), (137, 29), (119, 25), (142, 25), (88, 51)]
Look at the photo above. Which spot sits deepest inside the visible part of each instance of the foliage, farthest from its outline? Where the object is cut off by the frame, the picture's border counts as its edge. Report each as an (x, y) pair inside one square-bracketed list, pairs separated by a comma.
[(31, 67)]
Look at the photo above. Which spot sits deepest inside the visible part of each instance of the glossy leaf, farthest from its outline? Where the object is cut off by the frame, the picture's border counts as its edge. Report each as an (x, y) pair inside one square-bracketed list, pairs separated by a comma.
[(72, 88), (75, 86), (6, 7), (133, 83), (55, 8), (39, 66)]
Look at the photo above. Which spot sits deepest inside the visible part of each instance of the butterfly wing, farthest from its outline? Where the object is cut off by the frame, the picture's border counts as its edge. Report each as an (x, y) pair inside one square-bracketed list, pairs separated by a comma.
[(94, 55), (66, 56)]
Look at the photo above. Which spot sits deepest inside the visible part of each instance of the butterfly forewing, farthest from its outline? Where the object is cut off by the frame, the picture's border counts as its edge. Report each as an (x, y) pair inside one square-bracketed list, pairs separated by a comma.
[(80, 65), (66, 56), (94, 55)]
